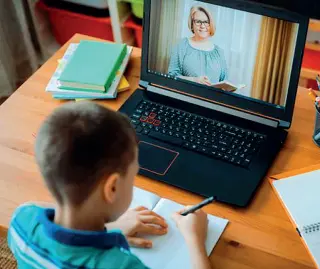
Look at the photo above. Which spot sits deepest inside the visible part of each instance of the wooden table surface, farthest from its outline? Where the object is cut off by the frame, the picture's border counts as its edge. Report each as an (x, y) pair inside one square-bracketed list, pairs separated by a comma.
[(258, 237)]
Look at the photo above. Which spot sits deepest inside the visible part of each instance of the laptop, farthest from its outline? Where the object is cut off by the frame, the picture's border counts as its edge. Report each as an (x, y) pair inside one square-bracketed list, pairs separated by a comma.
[(218, 86)]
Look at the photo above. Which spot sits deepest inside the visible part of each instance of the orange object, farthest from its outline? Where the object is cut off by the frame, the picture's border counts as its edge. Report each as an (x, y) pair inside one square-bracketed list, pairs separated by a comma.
[(290, 174), (312, 95)]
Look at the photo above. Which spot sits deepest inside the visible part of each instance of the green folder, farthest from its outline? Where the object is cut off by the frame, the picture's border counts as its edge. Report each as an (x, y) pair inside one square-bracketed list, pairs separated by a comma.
[(93, 66)]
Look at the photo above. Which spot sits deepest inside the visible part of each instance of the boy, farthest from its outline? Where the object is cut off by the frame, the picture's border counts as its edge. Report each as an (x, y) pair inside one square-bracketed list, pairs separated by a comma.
[(88, 157)]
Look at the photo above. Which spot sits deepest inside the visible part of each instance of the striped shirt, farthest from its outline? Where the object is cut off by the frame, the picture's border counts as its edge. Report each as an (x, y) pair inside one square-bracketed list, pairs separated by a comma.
[(191, 62), (37, 242)]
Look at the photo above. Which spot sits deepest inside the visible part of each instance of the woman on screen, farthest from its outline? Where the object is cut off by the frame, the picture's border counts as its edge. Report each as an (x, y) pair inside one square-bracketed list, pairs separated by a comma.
[(196, 58)]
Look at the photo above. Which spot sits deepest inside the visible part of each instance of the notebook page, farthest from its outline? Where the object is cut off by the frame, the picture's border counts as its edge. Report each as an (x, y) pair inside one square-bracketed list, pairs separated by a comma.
[(144, 198), (313, 243), (169, 251), (301, 196)]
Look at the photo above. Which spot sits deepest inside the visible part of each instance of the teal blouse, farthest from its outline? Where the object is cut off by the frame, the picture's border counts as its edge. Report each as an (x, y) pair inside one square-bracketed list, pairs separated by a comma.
[(188, 61)]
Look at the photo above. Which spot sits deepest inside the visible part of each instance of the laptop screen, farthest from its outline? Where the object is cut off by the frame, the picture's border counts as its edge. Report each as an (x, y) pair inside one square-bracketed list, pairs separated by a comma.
[(222, 49)]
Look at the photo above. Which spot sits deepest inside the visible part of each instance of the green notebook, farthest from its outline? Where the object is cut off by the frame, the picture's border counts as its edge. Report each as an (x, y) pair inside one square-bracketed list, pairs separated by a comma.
[(93, 66)]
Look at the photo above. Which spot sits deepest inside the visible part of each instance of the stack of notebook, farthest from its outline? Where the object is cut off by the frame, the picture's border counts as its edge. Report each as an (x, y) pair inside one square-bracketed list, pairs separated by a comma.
[(91, 70)]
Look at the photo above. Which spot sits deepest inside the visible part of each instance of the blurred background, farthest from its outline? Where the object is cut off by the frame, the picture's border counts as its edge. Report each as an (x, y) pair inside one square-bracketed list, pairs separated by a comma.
[(32, 30)]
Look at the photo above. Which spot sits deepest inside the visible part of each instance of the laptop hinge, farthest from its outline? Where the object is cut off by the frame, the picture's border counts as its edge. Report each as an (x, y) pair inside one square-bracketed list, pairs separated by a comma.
[(214, 106), (143, 84)]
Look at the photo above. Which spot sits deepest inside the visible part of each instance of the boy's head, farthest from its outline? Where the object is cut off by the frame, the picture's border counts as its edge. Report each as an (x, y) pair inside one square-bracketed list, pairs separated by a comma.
[(85, 151)]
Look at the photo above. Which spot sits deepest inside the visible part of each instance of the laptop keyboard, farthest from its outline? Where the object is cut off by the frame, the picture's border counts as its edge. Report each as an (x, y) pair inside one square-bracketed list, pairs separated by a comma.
[(213, 138)]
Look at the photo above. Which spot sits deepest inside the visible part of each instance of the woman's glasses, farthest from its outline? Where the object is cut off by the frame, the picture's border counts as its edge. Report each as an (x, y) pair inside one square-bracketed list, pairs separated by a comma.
[(199, 22)]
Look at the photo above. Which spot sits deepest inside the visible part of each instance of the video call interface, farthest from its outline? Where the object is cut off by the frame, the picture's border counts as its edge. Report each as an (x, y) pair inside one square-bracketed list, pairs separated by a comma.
[(224, 49)]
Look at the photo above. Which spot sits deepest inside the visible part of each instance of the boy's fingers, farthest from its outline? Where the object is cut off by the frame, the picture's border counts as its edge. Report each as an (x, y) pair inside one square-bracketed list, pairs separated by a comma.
[(140, 208), (150, 212), (153, 230), (139, 242), (150, 219)]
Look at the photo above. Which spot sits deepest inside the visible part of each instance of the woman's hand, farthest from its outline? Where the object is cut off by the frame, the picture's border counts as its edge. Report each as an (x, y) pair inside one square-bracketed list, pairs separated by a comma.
[(203, 80), (139, 221)]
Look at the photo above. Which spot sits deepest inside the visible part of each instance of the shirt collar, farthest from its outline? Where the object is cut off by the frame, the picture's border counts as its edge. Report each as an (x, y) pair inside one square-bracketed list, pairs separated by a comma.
[(102, 240)]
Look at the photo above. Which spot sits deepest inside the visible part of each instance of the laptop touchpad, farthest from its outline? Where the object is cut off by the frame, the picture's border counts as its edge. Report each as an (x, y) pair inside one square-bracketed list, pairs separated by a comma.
[(156, 159)]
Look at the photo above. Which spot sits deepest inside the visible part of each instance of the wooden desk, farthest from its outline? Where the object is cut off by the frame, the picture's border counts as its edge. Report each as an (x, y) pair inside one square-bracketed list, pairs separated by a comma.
[(258, 237)]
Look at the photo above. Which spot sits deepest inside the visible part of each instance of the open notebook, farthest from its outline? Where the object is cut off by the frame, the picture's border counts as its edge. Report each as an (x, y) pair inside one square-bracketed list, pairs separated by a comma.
[(169, 251), (300, 195)]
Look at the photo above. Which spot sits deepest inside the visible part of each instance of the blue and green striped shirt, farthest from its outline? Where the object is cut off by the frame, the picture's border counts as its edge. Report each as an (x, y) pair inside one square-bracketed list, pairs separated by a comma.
[(37, 242)]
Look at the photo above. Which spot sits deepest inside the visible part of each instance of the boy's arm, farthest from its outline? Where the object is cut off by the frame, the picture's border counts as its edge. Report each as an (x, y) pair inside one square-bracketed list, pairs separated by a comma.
[(198, 256), (194, 230)]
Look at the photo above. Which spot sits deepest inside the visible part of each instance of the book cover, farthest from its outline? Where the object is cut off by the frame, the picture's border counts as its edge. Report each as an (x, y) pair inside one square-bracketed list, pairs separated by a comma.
[(93, 66)]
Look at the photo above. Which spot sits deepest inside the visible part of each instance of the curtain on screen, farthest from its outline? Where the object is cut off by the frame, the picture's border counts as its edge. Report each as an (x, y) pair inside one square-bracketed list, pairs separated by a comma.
[(165, 31), (274, 60)]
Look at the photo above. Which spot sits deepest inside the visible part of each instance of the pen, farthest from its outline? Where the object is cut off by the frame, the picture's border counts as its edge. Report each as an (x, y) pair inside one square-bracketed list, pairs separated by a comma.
[(198, 206)]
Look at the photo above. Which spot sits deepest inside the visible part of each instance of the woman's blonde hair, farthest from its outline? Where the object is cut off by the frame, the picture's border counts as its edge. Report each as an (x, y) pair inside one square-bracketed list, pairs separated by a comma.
[(193, 10)]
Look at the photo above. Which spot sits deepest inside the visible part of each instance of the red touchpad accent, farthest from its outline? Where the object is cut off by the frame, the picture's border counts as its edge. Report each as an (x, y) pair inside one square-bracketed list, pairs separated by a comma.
[(156, 159)]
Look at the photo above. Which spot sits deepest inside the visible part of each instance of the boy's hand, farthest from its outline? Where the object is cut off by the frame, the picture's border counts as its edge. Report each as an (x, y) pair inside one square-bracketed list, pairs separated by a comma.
[(140, 221), (193, 227)]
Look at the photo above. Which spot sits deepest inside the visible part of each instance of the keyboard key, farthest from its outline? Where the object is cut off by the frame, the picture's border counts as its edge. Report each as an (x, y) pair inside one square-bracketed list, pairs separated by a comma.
[(149, 120), (219, 155), (139, 129), (194, 147), (187, 145), (146, 131), (226, 157), (135, 122), (143, 119), (157, 129), (166, 138), (213, 153), (136, 116), (156, 123)]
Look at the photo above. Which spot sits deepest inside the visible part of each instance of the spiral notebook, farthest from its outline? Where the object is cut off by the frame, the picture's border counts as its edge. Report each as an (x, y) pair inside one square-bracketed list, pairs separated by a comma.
[(300, 194)]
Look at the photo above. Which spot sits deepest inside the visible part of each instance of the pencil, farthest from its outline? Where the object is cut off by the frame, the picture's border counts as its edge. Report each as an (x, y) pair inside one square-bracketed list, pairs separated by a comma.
[(198, 206)]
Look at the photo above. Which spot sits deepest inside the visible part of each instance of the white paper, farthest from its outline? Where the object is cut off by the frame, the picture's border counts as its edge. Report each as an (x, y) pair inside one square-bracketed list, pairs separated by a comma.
[(144, 198), (169, 251)]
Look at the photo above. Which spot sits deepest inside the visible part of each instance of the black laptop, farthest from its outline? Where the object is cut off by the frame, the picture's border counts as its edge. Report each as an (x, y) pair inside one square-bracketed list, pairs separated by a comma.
[(219, 82)]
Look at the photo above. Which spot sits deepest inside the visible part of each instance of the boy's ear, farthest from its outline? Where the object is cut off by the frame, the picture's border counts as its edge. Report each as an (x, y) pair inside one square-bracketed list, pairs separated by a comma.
[(110, 187)]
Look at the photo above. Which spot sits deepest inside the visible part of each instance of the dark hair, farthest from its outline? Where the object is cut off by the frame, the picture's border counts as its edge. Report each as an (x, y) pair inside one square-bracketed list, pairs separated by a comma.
[(78, 144)]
